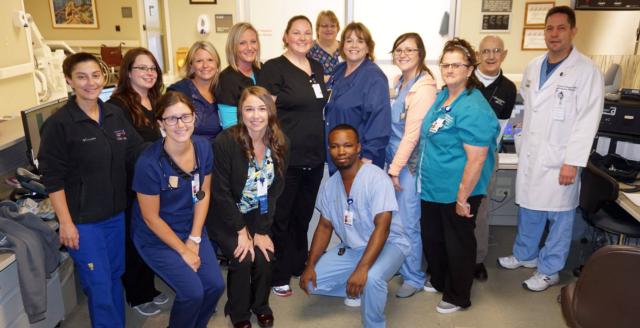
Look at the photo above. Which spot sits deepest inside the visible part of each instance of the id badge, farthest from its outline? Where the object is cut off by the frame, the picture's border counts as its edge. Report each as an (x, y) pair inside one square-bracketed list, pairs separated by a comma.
[(195, 187), (558, 114), (317, 90), (262, 195), (348, 218), (436, 125)]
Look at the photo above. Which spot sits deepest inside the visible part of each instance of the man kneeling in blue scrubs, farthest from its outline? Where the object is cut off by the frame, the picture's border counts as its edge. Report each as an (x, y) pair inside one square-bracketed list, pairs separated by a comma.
[(359, 204)]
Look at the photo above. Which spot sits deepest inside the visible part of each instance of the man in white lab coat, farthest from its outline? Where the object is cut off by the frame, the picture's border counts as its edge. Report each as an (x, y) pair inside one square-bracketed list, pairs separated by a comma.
[(563, 96)]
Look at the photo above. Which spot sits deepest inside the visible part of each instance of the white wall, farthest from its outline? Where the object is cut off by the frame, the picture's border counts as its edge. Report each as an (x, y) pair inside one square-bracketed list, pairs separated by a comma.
[(270, 19)]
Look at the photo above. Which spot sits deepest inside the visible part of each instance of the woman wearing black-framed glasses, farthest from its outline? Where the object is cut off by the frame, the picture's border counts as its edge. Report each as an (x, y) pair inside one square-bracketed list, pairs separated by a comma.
[(172, 180), (138, 90)]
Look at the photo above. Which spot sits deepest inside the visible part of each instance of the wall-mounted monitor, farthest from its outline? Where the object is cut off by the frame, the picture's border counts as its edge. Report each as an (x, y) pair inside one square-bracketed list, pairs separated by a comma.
[(32, 120)]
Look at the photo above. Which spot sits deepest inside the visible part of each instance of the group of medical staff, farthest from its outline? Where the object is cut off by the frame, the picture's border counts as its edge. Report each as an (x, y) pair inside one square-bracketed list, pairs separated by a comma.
[(231, 162)]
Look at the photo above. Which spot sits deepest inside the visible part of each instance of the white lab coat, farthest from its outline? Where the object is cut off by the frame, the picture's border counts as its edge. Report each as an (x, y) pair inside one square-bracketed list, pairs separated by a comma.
[(560, 122)]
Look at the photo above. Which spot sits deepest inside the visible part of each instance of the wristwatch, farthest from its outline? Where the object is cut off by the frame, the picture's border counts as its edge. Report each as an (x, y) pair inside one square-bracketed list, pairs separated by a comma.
[(195, 239)]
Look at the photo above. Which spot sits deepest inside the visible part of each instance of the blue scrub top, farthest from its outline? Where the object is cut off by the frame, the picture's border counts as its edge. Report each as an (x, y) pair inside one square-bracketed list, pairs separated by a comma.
[(207, 114), (151, 177), (362, 101), (398, 117), (468, 120), (371, 193)]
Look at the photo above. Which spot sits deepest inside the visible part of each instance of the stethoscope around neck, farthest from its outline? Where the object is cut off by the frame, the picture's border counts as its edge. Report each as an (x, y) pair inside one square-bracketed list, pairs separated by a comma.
[(180, 172)]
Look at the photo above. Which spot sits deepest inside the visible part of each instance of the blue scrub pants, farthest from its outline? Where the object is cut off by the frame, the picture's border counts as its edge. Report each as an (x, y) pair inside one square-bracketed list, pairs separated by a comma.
[(333, 271), (531, 223), (99, 263), (197, 293), (409, 209)]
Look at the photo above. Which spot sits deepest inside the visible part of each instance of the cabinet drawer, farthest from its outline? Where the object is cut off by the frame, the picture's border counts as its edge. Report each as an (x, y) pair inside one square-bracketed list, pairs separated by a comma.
[(11, 307)]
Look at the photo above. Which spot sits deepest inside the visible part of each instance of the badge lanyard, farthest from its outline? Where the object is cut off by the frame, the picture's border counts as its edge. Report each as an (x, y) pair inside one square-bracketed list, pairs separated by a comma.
[(197, 193), (403, 115), (262, 188)]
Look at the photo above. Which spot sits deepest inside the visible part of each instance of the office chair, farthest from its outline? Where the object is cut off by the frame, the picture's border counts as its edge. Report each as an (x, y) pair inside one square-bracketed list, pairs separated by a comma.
[(598, 193), (606, 294)]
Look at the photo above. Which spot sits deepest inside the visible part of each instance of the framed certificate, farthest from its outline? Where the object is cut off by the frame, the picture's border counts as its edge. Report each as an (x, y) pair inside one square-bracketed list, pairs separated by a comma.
[(533, 38), (535, 12)]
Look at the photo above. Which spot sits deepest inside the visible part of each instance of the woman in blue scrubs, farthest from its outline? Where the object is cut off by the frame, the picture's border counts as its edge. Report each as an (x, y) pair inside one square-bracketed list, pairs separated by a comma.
[(415, 91), (172, 180), (201, 69), (360, 95)]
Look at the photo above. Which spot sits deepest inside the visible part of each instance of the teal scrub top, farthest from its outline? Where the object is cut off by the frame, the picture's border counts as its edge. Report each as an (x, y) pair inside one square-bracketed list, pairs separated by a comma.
[(468, 120)]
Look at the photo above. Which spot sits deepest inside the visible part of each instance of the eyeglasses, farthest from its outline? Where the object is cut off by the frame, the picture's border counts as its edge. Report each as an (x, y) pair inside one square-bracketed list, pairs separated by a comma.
[(455, 66), (408, 51), (173, 120), (495, 51), (146, 68), (328, 26)]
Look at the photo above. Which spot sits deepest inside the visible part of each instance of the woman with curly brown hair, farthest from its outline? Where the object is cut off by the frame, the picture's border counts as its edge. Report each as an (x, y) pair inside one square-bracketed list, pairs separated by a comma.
[(457, 142)]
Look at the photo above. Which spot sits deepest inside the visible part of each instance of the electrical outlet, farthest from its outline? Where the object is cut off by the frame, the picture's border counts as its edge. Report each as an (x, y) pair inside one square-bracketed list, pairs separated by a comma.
[(501, 193)]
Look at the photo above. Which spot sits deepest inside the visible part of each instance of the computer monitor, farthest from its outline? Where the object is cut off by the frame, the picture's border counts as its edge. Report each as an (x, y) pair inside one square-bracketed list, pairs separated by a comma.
[(32, 120), (106, 93)]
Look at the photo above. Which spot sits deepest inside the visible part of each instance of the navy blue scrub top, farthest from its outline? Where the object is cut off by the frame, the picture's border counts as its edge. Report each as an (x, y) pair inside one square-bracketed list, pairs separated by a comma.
[(151, 177), (362, 101)]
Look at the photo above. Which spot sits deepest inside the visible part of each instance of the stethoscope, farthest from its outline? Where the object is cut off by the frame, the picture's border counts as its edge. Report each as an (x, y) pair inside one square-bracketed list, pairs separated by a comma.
[(181, 173)]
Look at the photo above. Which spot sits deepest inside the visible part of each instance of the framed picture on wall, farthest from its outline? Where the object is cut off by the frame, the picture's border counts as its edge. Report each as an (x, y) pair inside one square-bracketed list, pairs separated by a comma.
[(493, 23), (73, 13), (535, 12), (533, 38)]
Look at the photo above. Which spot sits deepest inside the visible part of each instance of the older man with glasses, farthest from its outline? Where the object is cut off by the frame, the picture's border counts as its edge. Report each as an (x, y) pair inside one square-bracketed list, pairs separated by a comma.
[(500, 92)]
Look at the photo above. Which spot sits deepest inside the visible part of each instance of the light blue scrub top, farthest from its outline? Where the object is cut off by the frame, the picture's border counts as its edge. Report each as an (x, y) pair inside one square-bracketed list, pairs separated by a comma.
[(398, 117), (371, 193), (468, 120)]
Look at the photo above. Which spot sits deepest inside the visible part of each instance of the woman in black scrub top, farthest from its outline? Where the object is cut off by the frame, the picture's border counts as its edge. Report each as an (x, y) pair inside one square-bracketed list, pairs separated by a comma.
[(297, 84)]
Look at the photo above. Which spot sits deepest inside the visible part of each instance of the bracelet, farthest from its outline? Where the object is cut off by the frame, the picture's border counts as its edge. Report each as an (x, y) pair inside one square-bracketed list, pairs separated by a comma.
[(195, 239), (463, 205)]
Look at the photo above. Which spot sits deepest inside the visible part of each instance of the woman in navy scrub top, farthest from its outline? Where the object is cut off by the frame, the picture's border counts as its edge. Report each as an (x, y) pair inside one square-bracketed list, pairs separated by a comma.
[(172, 179), (84, 149), (360, 95), (201, 69)]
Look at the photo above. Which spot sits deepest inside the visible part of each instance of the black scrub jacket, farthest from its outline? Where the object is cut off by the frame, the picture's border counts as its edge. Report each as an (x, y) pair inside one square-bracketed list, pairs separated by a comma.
[(88, 160)]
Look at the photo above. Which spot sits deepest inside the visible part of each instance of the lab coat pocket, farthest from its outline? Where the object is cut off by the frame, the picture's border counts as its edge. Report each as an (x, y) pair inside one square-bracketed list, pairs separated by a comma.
[(554, 156)]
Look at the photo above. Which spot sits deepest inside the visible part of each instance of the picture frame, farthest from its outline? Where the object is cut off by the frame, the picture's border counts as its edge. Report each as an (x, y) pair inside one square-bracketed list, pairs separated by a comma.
[(535, 12), (203, 2), (78, 14), (497, 6), (495, 23), (533, 38)]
